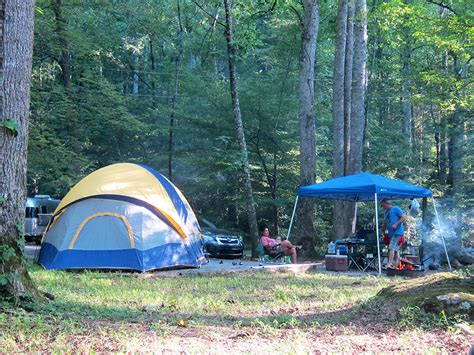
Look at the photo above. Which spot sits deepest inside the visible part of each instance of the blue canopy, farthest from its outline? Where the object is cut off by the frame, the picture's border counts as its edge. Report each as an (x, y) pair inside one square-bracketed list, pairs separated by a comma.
[(362, 187)]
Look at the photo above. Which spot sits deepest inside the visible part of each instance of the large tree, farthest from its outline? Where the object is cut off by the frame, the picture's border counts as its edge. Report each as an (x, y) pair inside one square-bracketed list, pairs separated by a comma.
[(306, 114), (349, 116), (338, 107), (232, 54), (358, 115), (16, 48)]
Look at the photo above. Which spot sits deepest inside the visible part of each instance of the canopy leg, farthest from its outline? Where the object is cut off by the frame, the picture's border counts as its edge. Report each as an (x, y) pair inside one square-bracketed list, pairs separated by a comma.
[(378, 236), (441, 233), (292, 218), (354, 221)]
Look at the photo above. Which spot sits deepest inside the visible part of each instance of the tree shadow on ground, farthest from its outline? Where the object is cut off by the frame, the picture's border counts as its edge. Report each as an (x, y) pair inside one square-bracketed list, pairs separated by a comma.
[(360, 315)]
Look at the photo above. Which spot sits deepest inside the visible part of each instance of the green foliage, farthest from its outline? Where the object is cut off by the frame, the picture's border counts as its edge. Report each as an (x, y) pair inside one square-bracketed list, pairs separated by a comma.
[(6, 252), (118, 104), (411, 316), (11, 126)]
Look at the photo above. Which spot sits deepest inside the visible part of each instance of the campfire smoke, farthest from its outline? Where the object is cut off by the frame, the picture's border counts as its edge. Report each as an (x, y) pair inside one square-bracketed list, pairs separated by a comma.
[(459, 251)]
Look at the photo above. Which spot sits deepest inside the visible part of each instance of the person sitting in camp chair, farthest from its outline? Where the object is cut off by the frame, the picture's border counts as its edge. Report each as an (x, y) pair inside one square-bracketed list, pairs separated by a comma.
[(272, 246)]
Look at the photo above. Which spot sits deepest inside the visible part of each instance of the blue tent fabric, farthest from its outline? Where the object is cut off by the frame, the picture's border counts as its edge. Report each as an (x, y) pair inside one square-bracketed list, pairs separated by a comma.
[(362, 187)]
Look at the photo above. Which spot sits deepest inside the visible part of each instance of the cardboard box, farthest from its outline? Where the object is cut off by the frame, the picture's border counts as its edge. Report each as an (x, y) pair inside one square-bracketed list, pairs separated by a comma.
[(336, 262)]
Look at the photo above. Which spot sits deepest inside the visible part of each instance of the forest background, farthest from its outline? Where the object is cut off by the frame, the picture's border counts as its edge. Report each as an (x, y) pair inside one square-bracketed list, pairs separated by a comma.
[(148, 82)]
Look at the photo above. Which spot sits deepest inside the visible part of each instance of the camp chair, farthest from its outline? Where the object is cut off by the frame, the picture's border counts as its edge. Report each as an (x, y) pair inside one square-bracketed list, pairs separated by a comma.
[(265, 256), (364, 255), (371, 254), (370, 251), (356, 258)]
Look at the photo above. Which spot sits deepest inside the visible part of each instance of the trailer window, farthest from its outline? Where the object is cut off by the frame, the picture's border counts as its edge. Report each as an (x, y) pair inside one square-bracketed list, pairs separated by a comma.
[(29, 212)]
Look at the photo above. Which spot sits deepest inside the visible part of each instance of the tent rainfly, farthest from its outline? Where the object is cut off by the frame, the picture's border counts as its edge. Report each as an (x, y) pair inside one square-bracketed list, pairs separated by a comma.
[(364, 187)]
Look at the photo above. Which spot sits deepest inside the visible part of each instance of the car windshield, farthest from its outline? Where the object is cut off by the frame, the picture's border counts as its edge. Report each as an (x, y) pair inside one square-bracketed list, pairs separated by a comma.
[(205, 223)]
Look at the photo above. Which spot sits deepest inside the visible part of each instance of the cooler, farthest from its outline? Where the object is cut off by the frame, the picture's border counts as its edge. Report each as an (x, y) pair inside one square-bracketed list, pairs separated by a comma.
[(336, 262)]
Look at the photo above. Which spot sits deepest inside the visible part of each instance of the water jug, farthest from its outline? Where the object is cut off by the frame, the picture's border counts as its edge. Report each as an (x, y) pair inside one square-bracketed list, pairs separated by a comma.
[(331, 248)]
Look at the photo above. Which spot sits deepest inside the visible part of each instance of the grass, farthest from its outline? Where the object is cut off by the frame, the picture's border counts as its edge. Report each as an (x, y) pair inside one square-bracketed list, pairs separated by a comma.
[(101, 311)]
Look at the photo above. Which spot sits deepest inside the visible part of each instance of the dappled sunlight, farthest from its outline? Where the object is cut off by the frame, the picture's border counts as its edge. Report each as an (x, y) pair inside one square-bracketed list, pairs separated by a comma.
[(127, 311), (152, 226), (253, 295)]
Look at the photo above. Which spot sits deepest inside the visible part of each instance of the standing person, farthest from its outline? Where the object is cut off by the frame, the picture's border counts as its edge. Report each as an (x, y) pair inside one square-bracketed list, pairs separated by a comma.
[(284, 246), (394, 218)]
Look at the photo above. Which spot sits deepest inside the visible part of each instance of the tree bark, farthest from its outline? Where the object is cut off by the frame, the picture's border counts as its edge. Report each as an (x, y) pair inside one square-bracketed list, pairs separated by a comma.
[(357, 122), (349, 56), (16, 50), (358, 87), (231, 54), (306, 114), (338, 114), (347, 207)]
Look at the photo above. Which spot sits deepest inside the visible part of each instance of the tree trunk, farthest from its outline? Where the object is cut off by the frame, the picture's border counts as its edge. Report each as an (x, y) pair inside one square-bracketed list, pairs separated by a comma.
[(174, 99), (64, 60), (274, 191), (307, 121), (349, 56), (152, 67), (271, 177), (231, 54), (406, 92), (347, 207), (450, 150), (16, 50), (436, 134), (457, 143), (358, 87), (443, 148), (443, 157), (357, 124), (338, 114), (135, 73)]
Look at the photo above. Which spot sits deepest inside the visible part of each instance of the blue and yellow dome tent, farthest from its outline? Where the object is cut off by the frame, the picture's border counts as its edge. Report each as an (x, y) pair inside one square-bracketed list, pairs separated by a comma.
[(123, 216)]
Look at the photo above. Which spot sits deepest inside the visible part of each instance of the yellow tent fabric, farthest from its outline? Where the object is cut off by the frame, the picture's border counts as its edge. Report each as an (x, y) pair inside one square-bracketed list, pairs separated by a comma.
[(128, 180)]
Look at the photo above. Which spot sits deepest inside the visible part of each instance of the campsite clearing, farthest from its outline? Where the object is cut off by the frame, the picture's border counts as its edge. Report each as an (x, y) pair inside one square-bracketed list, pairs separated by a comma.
[(251, 312)]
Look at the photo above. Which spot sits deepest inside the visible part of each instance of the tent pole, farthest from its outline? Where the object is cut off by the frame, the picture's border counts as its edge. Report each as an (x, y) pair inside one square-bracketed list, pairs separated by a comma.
[(292, 218), (441, 233), (378, 236)]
